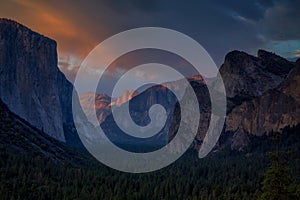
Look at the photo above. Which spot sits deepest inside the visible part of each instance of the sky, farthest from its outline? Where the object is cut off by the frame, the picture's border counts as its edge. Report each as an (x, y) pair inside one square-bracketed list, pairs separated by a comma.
[(220, 26)]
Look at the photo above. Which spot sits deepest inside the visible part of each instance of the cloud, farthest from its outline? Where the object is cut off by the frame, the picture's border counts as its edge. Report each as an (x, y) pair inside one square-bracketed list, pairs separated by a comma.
[(51, 21), (285, 48), (220, 26), (281, 21), (280, 28), (79, 26), (297, 53), (69, 64)]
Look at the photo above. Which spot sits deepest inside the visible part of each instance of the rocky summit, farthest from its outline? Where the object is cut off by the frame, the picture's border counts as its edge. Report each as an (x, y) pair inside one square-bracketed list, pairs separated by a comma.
[(246, 77)]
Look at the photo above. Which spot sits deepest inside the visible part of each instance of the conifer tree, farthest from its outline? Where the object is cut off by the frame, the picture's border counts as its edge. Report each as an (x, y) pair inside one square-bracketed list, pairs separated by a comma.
[(277, 179)]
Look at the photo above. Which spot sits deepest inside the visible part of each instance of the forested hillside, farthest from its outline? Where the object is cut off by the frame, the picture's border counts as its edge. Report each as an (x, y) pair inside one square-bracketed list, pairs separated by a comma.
[(225, 174)]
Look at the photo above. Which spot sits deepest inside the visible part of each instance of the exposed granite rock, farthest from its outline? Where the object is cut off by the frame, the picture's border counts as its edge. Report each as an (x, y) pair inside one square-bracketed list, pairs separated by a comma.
[(272, 111), (274, 63), (31, 84), (202, 94), (126, 96), (139, 111), (102, 103), (291, 85), (239, 140), (246, 77)]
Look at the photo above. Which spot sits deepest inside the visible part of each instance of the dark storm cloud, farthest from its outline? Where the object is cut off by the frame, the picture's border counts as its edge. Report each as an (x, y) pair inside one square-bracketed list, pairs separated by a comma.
[(219, 25), (128, 6), (253, 10), (281, 22)]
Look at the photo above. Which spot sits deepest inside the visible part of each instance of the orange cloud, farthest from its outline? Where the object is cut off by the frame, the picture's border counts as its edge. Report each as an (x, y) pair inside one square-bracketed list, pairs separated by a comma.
[(42, 18), (297, 53), (77, 28), (50, 20), (55, 21)]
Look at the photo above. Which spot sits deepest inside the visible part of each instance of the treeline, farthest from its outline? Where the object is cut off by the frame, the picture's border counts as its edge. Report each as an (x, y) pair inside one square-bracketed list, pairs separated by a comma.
[(223, 175)]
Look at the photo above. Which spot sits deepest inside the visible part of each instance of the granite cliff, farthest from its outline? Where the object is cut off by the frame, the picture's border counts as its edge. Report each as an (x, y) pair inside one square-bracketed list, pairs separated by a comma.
[(246, 77), (272, 111), (31, 84)]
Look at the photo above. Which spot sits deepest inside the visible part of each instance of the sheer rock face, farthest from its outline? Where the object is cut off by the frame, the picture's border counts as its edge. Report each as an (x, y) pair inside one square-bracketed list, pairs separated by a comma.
[(31, 84), (271, 111), (246, 77), (274, 109)]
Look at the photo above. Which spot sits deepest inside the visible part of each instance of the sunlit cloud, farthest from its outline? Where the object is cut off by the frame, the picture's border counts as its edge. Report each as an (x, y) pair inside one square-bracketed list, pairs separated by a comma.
[(79, 26), (44, 19), (50, 20), (241, 18), (297, 53)]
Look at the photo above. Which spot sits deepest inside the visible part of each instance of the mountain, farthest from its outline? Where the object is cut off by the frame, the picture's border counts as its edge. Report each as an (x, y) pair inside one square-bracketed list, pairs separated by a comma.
[(139, 111), (246, 77), (31, 84), (262, 96), (262, 93), (126, 96), (272, 111), (102, 103)]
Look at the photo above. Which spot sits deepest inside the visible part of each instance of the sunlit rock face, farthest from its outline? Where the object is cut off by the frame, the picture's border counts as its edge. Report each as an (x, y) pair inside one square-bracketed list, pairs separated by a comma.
[(126, 96), (101, 104), (30, 82)]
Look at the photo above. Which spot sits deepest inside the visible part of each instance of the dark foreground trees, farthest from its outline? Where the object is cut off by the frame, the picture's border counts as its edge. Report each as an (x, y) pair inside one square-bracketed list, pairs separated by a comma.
[(277, 183), (226, 175)]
